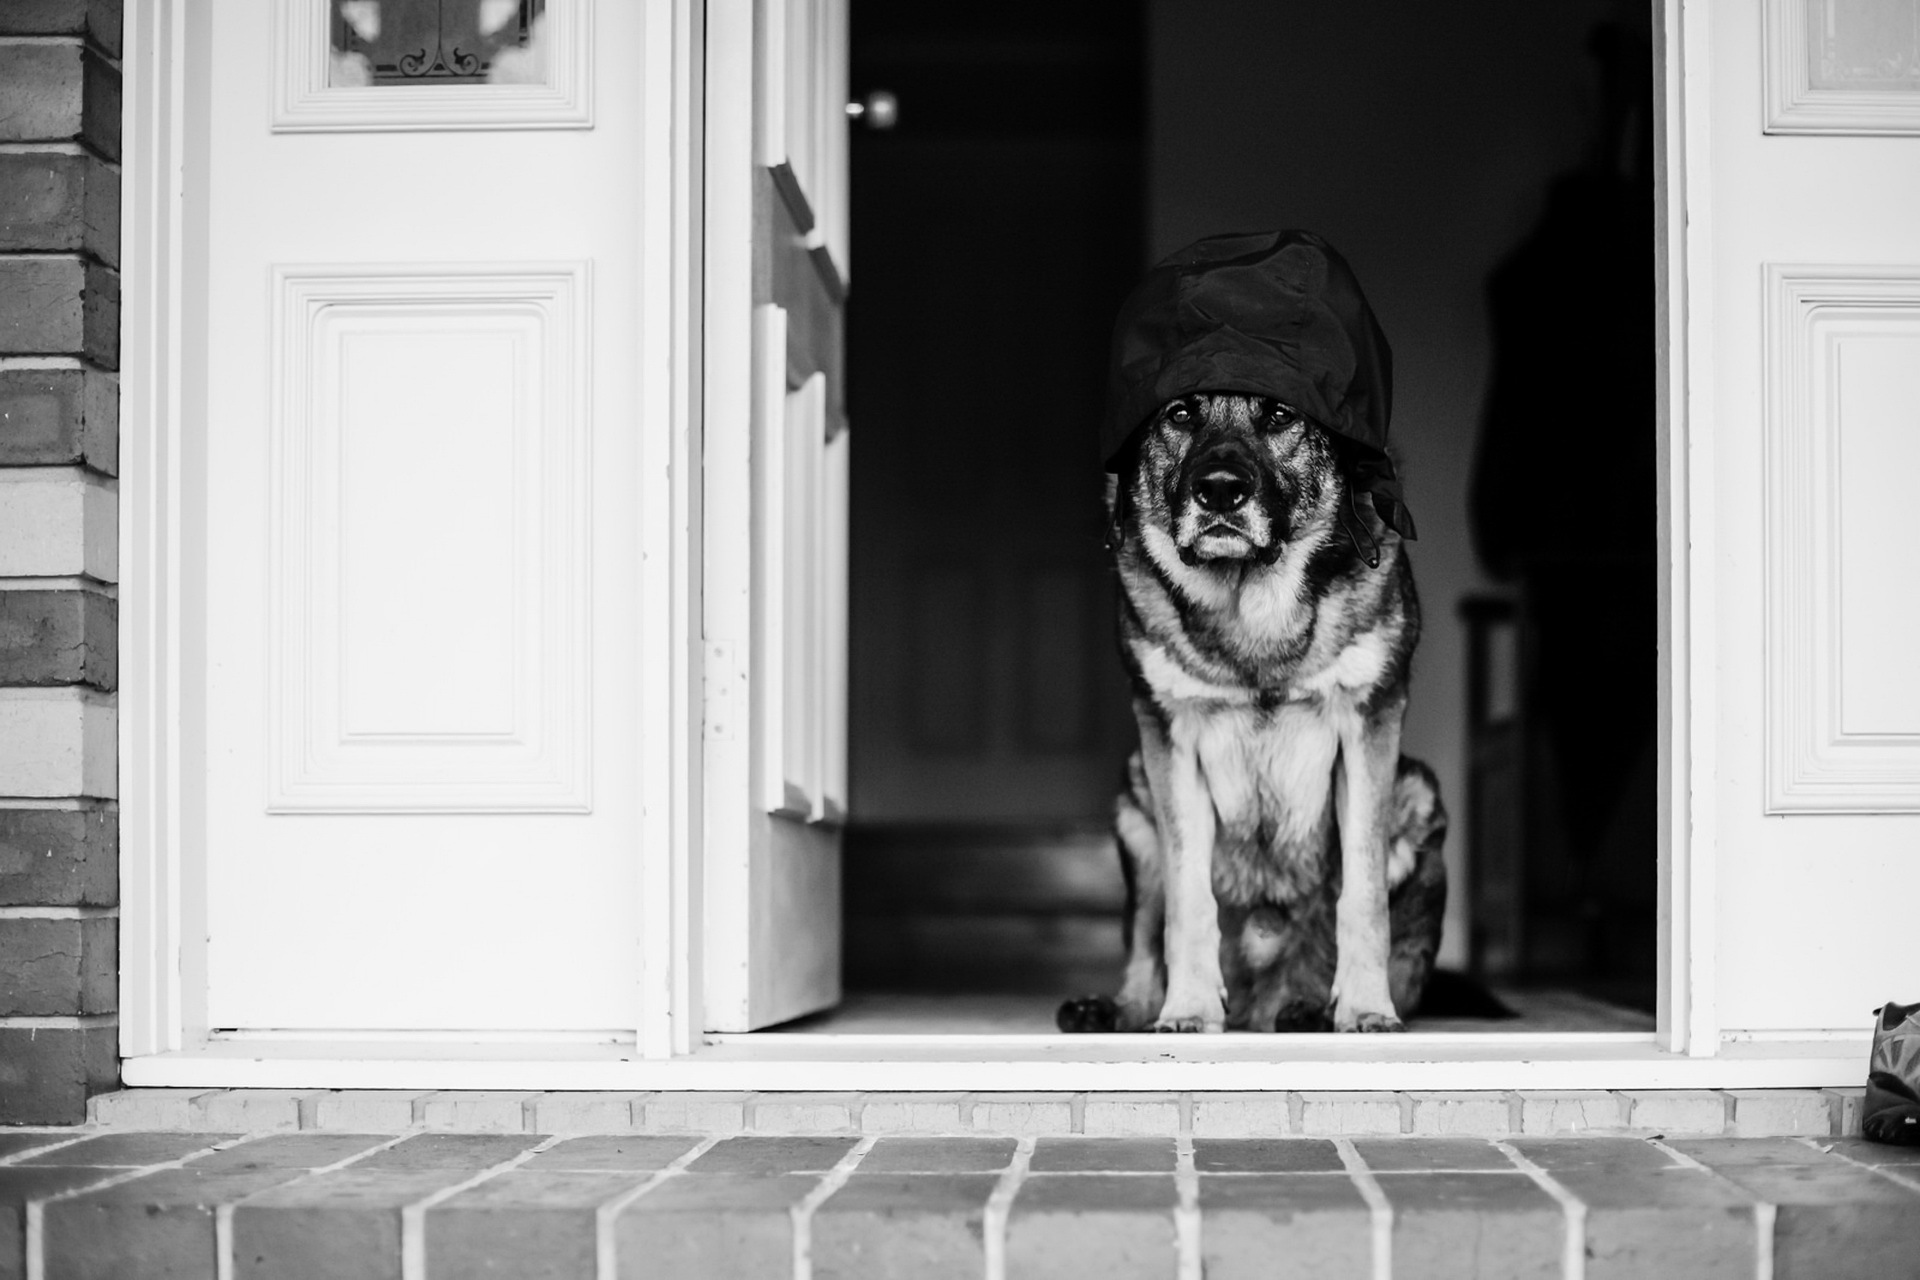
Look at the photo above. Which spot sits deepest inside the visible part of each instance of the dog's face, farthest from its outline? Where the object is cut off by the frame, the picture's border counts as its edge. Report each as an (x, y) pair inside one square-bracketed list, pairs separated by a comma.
[(1233, 478)]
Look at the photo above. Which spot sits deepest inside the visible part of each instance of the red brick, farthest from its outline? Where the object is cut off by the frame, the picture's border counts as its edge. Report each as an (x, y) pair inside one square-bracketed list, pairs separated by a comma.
[(468, 1152), (57, 638), (1834, 1220), (938, 1155), (1476, 1226), (527, 1226), (1103, 1155), (288, 1151), (614, 1153), (1266, 1155), (773, 1155), (54, 967), (1431, 1155), (721, 1226), (59, 417), (1648, 1215), (59, 857), (159, 1226), (343, 1225), (98, 20), (19, 1185), (53, 202), (59, 306), (47, 1073), (129, 1150), (59, 92), (1113, 1226), (1284, 1226), (882, 1226)]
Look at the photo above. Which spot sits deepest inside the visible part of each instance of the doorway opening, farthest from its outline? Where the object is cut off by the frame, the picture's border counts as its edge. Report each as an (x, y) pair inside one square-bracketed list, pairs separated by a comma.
[(1489, 177)]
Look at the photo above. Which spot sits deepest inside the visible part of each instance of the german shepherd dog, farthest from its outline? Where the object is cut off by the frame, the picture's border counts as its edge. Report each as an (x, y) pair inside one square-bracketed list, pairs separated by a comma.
[(1283, 859)]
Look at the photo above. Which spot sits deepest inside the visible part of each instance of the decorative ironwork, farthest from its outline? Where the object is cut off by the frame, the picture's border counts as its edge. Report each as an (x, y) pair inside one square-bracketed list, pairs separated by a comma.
[(1865, 44), (381, 42)]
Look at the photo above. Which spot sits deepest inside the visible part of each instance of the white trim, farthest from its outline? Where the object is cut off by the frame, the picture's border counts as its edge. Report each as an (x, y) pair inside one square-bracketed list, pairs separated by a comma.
[(1814, 765), (1690, 835), (788, 1063), (1794, 105), (726, 512), (303, 102), (669, 486), (154, 80)]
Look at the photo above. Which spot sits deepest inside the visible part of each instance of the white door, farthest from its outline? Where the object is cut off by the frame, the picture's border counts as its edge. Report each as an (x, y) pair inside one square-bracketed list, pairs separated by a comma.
[(776, 509), (1803, 156), (416, 587)]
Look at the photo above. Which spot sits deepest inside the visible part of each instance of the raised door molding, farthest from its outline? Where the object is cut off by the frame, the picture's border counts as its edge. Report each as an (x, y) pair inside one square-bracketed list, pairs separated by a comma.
[(305, 102), (1802, 97), (430, 541), (1842, 428)]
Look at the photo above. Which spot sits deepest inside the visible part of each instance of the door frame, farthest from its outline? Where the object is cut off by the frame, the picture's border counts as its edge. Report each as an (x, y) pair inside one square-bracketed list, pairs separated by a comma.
[(698, 225)]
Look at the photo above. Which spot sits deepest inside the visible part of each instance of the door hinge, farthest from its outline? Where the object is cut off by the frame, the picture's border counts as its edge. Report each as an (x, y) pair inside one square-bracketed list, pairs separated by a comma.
[(723, 700)]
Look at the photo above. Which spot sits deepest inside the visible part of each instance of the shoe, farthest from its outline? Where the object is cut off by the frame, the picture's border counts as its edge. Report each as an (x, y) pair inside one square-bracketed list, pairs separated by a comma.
[(1891, 1109)]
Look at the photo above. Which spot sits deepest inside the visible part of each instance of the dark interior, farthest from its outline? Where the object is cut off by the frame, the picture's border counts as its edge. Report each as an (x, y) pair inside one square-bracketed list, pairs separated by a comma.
[(1487, 170)]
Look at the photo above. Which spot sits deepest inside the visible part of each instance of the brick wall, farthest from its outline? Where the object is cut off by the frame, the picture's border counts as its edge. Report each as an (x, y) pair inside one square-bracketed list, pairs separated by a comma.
[(59, 401)]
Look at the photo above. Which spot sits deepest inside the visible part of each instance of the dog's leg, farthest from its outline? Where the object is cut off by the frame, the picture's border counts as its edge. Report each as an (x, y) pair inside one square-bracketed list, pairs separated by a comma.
[(1196, 995), (1369, 758), (1144, 988)]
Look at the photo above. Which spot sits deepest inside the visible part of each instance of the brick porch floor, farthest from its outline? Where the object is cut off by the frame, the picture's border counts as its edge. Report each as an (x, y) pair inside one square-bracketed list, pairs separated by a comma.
[(136, 1204)]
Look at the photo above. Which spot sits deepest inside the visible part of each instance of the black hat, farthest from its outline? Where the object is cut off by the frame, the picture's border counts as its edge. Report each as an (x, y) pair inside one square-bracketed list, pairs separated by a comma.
[(1274, 313)]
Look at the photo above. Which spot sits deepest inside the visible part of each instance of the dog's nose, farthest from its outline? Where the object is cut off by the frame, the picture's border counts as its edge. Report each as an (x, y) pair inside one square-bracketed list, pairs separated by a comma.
[(1223, 489)]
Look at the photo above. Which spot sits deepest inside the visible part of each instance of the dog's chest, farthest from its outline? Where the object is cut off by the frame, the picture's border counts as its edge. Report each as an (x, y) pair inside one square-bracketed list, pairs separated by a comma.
[(1269, 775)]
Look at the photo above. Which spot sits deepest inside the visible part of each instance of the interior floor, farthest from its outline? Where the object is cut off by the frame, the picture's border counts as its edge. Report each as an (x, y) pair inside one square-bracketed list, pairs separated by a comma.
[(1537, 1011)]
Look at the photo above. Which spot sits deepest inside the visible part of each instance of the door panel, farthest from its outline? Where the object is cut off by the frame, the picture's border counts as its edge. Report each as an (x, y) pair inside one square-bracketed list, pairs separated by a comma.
[(417, 453), (1814, 305)]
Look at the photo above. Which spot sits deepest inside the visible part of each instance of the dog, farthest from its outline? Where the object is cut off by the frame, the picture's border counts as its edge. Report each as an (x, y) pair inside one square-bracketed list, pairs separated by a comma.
[(1282, 857)]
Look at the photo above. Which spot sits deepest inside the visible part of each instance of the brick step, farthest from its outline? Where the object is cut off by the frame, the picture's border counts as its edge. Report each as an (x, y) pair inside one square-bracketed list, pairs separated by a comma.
[(614, 1207), (1745, 1113)]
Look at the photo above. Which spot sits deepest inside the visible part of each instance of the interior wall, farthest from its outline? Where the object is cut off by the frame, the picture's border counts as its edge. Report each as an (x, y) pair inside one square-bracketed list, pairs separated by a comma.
[(1420, 140)]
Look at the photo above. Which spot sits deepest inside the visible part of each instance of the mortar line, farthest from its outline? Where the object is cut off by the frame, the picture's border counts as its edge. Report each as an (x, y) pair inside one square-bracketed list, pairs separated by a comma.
[(1765, 1212), (1573, 1253), (1186, 1213), (1000, 1204), (1377, 1206), (223, 1261), (413, 1217), (1898, 1179), (606, 1261), (1679, 1157), (802, 1213), (31, 1152), (36, 1231)]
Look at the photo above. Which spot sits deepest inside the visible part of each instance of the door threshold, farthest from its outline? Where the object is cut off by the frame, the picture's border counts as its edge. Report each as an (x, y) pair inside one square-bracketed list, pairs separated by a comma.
[(1118, 1063)]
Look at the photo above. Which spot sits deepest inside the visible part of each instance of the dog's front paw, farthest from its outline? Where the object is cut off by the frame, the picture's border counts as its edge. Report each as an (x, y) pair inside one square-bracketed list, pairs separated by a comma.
[(1365, 1020), (1196, 1016), (1192, 1024)]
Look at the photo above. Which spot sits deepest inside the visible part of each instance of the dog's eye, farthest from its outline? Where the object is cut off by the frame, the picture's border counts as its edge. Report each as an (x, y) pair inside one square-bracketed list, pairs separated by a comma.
[(1279, 416), (1180, 412)]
